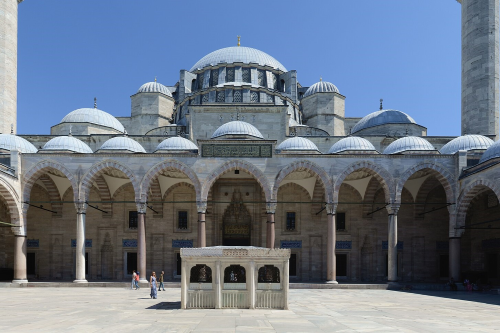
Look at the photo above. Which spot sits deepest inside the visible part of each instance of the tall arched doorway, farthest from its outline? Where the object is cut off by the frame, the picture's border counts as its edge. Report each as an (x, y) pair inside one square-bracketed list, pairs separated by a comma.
[(236, 222)]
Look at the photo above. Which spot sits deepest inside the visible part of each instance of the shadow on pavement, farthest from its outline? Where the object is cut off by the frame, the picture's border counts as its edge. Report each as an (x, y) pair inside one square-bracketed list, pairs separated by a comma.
[(165, 306), (481, 297)]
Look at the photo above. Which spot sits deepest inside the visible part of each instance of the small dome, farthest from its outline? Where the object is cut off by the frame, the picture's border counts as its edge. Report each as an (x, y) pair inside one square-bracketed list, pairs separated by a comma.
[(237, 128), (383, 117), (93, 116), (492, 152), (122, 143), (242, 54), (177, 143), (154, 87), (68, 143), (297, 144), (320, 87), (351, 143), (466, 142), (13, 142), (409, 143)]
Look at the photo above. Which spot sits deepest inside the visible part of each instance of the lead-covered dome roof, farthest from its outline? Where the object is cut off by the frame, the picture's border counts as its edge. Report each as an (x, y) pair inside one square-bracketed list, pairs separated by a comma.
[(492, 152), (320, 87), (154, 87), (13, 142), (409, 143), (122, 143), (67, 143), (383, 117), (246, 55), (466, 142), (93, 116), (297, 144), (237, 128), (352, 143), (176, 143)]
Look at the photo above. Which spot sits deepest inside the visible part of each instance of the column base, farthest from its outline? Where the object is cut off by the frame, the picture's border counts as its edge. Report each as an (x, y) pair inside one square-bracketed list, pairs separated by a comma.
[(143, 280), (80, 281), (332, 282), (19, 281)]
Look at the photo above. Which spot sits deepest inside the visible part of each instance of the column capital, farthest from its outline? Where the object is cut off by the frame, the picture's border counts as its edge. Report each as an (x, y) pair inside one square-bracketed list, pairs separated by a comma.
[(393, 208), (271, 207), (81, 207), (331, 208), (201, 206), (19, 231), (141, 207)]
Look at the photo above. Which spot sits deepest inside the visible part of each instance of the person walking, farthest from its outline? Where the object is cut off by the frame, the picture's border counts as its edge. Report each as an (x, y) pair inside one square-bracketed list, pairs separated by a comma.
[(152, 285), (160, 279), (137, 281), (133, 280)]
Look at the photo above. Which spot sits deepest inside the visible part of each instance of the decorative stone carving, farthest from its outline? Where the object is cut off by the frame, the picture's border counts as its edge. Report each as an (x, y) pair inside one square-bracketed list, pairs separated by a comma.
[(331, 208), (81, 207), (201, 206), (141, 207), (271, 207)]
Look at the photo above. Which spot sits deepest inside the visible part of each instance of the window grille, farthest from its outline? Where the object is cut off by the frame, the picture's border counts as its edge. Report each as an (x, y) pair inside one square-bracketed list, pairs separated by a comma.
[(132, 220), (214, 77), (262, 78), (290, 221), (237, 96), (246, 75), (254, 97), (205, 98), (200, 81), (182, 221), (230, 75), (221, 97), (275, 82), (270, 98), (340, 219)]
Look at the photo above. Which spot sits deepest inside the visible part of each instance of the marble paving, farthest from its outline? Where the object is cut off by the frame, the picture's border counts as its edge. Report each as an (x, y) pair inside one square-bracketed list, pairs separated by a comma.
[(125, 310)]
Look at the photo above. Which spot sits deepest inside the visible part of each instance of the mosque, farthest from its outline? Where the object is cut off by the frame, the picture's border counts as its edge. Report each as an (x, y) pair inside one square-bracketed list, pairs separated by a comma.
[(239, 152)]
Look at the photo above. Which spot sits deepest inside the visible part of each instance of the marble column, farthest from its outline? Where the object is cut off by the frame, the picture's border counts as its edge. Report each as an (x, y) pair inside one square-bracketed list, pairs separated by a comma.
[(20, 248), (285, 281), (184, 284), (331, 265), (454, 246), (218, 285), (141, 241), (270, 234), (253, 288), (392, 242), (202, 233), (81, 209)]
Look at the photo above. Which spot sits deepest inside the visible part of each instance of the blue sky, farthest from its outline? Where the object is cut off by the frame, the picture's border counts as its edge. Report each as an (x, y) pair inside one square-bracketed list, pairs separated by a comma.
[(406, 52)]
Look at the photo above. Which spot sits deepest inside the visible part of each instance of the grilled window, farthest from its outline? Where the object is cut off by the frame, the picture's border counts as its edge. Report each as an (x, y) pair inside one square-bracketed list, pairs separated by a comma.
[(221, 97), (237, 96), (182, 220), (230, 75), (132, 220), (246, 75), (262, 78), (290, 221), (340, 221), (254, 97), (205, 98), (214, 77), (200, 81)]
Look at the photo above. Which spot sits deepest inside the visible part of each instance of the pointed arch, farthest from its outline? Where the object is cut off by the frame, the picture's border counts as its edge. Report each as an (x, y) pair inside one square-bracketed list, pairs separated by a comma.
[(173, 187), (53, 193), (470, 193), (441, 174), (382, 175), (105, 195), (233, 165), (98, 169), (300, 166), (155, 171), (41, 168), (11, 199)]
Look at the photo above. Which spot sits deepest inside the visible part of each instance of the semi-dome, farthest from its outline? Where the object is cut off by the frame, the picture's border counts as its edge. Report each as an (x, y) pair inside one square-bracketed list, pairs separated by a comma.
[(154, 87), (67, 143), (467, 142), (176, 143), (122, 143), (13, 142), (492, 152), (407, 144), (237, 128), (297, 144), (352, 143), (320, 87), (383, 117), (93, 116), (241, 54)]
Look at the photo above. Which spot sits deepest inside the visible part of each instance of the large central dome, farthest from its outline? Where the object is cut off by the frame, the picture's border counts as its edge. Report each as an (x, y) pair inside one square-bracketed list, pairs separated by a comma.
[(242, 54)]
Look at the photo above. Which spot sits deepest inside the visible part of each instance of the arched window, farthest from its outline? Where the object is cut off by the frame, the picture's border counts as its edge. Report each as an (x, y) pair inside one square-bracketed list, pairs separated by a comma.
[(204, 99), (200, 81), (201, 274), (214, 77), (193, 85), (230, 74), (254, 97), (237, 96), (221, 97), (269, 274), (262, 78), (246, 75), (235, 274), (283, 87)]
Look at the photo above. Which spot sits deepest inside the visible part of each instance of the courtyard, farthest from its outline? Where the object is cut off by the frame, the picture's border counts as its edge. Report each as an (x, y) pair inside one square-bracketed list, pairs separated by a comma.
[(125, 310)]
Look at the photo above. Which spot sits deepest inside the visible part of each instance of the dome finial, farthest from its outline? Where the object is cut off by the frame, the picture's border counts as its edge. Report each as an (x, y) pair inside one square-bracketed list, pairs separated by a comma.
[(239, 40), (381, 104), (320, 79), (95, 102), (155, 78), (11, 128)]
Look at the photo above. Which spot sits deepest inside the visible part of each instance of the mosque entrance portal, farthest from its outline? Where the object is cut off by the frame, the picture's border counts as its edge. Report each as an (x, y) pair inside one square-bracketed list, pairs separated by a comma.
[(236, 223)]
